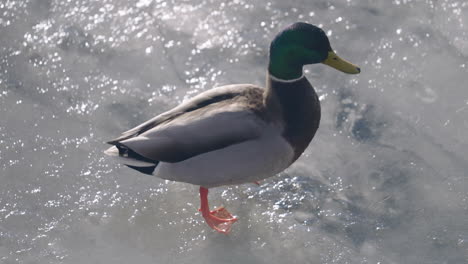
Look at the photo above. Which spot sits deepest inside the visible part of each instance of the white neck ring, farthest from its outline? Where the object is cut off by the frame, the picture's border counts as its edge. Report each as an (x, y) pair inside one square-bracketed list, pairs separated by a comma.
[(276, 79)]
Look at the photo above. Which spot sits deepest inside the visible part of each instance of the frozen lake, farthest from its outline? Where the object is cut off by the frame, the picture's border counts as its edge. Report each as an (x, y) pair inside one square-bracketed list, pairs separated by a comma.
[(385, 179)]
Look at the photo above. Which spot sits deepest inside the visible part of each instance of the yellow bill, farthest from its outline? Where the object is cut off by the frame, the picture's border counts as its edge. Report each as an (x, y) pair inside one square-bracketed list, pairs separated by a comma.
[(338, 63)]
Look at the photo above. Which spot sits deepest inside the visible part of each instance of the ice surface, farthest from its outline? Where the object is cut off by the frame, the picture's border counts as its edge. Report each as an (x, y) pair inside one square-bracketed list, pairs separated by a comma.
[(384, 181)]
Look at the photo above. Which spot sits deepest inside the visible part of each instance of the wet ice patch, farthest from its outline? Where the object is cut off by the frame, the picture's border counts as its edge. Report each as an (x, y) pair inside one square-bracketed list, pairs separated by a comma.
[(383, 181)]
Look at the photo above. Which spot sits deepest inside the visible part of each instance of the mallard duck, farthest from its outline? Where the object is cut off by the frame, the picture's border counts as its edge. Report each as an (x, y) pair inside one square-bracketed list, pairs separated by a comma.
[(239, 133)]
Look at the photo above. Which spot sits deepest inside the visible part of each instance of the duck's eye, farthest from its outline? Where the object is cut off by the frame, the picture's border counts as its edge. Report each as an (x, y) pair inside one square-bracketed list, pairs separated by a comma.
[(335, 58)]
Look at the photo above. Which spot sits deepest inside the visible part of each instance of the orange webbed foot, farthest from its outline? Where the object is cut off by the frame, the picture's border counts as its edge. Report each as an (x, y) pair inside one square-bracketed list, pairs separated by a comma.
[(219, 219)]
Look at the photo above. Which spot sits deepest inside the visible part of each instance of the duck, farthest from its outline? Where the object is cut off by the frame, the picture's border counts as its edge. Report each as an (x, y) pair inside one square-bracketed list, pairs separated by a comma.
[(239, 133)]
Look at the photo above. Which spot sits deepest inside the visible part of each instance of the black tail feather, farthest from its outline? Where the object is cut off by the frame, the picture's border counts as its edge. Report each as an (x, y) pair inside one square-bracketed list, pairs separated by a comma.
[(145, 170)]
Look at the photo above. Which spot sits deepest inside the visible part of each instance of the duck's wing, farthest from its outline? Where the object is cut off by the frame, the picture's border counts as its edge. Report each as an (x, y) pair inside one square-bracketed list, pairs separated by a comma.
[(210, 121), (204, 99)]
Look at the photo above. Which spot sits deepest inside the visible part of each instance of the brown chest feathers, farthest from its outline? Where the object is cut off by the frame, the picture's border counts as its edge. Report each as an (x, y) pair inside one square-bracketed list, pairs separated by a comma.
[(299, 108)]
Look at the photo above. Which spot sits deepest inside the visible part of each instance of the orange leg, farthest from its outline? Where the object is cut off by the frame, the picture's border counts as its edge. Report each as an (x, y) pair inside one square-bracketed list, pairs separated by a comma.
[(219, 219)]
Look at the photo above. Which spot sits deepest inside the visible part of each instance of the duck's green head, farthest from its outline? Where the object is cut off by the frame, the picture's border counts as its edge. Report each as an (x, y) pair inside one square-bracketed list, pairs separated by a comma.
[(301, 44)]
